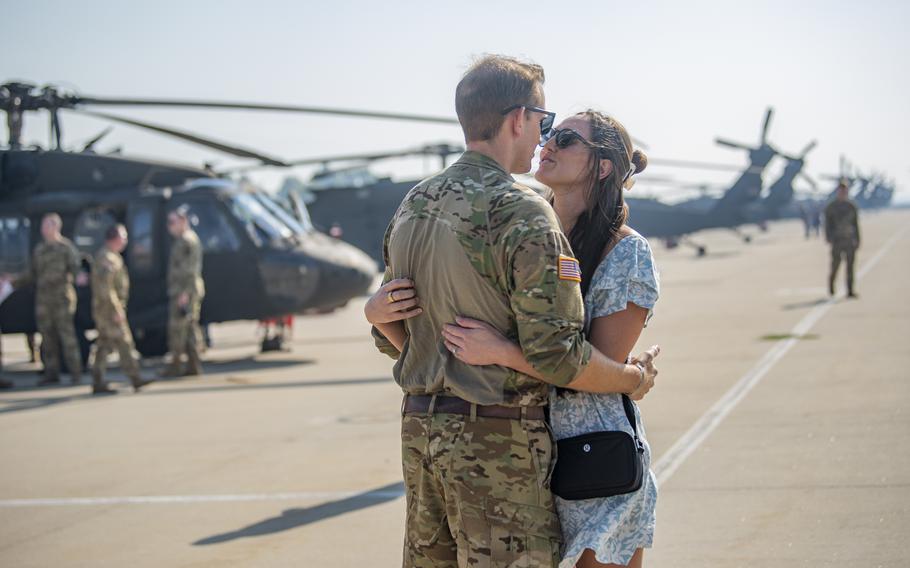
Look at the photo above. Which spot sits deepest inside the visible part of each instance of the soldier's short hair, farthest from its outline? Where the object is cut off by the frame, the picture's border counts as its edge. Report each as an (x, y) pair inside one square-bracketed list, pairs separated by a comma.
[(113, 231), (492, 84)]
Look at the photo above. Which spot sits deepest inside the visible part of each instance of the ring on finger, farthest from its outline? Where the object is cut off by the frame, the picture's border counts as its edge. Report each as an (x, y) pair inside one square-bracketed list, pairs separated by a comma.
[(390, 298)]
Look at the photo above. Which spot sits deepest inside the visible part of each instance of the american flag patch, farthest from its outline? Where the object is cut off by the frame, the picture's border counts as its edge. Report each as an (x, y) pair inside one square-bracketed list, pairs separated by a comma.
[(569, 269)]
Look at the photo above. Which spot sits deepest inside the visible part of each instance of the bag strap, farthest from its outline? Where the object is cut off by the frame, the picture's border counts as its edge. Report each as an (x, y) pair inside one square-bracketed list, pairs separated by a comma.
[(629, 407)]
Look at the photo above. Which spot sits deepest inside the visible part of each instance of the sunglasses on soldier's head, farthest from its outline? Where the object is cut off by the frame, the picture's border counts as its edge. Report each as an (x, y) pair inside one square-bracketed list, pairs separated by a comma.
[(546, 123)]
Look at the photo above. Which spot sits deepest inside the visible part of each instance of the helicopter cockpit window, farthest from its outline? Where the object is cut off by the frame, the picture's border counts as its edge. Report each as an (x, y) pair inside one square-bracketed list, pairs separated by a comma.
[(261, 224), (299, 226), (14, 241), (210, 224), (142, 240), (91, 225)]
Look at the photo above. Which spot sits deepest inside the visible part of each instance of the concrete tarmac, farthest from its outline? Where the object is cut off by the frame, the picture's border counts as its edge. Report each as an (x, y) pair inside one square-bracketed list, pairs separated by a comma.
[(779, 428)]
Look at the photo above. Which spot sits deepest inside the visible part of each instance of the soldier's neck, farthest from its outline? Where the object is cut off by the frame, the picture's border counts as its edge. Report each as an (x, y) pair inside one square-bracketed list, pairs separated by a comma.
[(496, 152)]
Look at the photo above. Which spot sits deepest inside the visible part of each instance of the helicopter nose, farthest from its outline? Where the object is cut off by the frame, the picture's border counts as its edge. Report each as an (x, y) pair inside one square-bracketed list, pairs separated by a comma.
[(345, 272)]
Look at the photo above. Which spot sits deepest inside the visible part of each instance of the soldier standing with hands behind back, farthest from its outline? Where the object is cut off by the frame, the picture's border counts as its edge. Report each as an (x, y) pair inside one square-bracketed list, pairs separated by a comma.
[(185, 289), (110, 295), (842, 232)]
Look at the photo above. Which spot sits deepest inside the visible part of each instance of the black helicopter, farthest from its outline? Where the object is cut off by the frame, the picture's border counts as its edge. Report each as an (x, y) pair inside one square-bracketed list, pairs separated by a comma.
[(259, 261)]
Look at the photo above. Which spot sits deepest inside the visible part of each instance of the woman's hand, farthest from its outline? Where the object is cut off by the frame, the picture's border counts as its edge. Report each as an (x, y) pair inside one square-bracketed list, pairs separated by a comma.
[(646, 360), (394, 301), (478, 343)]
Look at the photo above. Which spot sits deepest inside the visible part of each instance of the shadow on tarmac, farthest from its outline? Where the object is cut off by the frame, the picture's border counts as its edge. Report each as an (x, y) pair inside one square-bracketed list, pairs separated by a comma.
[(806, 304), (293, 518), (18, 405)]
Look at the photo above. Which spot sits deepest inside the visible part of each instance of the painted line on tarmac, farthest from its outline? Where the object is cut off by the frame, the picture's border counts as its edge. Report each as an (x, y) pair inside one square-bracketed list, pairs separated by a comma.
[(668, 463), (188, 499)]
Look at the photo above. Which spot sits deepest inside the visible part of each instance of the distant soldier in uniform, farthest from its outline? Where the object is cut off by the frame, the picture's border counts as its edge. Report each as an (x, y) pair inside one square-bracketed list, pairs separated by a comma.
[(110, 295), (842, 232), (53, 271), (185, 290), (476, 451)]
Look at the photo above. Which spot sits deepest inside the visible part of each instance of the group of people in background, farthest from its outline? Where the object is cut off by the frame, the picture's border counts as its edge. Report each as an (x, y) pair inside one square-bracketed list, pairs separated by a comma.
[(55, 271)]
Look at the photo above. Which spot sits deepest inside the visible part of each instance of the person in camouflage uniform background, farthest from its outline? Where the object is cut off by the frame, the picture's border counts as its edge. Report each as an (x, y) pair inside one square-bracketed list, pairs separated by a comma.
[(842, 233), (476, 450), (110, 296), (185, 290), (53, 271)]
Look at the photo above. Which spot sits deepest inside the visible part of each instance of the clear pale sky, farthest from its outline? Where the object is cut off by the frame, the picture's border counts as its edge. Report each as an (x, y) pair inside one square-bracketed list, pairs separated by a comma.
[(677, 74)]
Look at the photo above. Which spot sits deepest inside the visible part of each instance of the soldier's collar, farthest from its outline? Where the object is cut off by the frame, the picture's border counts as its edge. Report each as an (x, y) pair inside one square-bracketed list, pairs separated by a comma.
[(473, 158)]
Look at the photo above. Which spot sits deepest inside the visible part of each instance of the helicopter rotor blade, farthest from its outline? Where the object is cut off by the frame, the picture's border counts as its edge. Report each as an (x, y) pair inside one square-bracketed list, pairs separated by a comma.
[(730, 144), (263, 107), (430, 150), (692, 164), (91, 143), (808, 148), (767, 124), (809, 180), (228, 149)]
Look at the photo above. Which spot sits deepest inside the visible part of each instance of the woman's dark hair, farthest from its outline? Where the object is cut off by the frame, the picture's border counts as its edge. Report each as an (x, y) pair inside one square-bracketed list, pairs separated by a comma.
[(606, 210)]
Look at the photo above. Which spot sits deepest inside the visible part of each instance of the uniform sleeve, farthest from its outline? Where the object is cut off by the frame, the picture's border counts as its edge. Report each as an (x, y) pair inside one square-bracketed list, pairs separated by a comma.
[(104, 281), (828, 223), (856, 224), (382, 343), (627, 274), (187, 268), (72, 261), (548, 307)]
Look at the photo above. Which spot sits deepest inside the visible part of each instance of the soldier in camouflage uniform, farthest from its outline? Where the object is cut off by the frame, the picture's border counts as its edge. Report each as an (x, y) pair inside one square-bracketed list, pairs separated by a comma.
[(476, 450), (53, 271), (185, 290), (842, 232), (110, 295)]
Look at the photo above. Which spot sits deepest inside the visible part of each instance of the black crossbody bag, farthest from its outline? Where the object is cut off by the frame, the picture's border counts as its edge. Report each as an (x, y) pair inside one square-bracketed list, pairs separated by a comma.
[(599, 464)]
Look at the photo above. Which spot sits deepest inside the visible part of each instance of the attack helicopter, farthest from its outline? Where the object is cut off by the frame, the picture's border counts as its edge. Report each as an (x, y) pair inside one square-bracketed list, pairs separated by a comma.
[(259, 261)]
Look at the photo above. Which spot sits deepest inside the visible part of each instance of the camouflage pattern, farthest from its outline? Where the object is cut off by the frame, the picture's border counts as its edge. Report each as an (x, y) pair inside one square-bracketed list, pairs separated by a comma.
[(480, 245), (184, 275), (110, 296), (842, 231), (478, 492), (53, 270), (842, 223)]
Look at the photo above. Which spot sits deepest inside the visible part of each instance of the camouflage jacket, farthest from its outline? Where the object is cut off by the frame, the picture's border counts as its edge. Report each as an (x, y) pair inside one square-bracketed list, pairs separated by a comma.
[(53, 270), (478, 244), (184, 271), (110, 285), (842, 223)]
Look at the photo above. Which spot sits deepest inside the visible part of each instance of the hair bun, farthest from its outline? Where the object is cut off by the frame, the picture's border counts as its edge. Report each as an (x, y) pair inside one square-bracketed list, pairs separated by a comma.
[(640, 159)]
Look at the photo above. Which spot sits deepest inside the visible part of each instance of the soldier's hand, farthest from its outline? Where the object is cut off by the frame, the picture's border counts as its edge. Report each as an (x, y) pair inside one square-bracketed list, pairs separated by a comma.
[(395, 300), (81, 279), (477, 343), (647, 361), (118, 317), (183, 299)]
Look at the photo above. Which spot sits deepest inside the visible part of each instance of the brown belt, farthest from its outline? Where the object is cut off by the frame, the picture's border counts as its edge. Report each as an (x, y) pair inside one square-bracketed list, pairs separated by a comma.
[(420, 404)]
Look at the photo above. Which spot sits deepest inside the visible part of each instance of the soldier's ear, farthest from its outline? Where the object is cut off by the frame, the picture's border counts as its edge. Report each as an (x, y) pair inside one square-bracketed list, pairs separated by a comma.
[(516, 122)]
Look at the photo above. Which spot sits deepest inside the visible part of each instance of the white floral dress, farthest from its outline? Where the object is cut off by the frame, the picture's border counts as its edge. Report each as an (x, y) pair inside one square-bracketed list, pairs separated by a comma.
[(613, 527)]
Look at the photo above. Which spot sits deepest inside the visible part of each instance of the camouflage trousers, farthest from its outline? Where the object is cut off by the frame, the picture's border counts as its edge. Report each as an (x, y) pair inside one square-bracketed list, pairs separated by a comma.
[(478, 492), (55, 324), (183, 333), (846, 250), (113, 336)]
